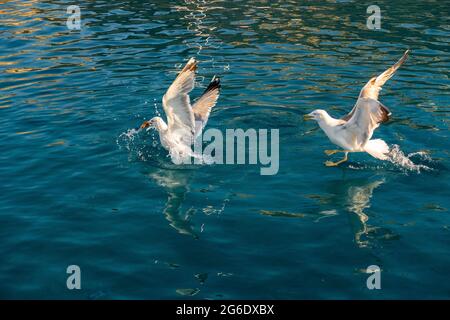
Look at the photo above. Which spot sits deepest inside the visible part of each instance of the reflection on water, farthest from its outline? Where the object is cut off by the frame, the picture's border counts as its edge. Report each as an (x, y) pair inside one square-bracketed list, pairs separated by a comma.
[(356, 196), (176, 184), (358, 200), (351, 195), (315, 216)]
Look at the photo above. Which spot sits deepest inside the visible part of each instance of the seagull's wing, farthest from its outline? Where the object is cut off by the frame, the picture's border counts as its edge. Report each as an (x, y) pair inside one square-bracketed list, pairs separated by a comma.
[(202, 107), (177, 106), (385, 76), (368, 115), (350, 114), (373, 87)]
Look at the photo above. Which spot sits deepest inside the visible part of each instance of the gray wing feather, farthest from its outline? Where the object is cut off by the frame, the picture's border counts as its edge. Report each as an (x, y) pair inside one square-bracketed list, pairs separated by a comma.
[(176, 103), (367, 115), (203, 106), (373, 87)]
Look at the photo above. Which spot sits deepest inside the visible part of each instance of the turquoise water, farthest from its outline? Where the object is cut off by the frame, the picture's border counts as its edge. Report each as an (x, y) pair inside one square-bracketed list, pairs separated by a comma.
[(77, 189)]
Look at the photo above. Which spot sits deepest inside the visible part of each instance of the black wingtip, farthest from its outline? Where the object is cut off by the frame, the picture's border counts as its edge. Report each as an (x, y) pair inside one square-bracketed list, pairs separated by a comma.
[(214, 84)]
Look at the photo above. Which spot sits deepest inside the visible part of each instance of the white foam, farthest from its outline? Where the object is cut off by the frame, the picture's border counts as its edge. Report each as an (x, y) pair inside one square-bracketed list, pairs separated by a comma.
[(398, 158)]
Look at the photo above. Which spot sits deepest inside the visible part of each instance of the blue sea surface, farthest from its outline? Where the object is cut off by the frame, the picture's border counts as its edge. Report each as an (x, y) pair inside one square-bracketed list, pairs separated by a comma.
[(79, 188)]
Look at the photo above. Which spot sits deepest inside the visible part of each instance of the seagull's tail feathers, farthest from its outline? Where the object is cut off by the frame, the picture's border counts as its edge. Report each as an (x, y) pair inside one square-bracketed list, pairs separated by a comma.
[(377, 148)]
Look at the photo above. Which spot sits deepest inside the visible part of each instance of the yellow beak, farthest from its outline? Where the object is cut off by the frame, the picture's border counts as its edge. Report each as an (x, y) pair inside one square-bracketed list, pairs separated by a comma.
[(307, 117)]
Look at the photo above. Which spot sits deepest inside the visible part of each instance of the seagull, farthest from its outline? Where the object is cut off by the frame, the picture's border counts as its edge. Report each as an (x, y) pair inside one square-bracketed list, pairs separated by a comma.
[(354, 131), (185, 122)]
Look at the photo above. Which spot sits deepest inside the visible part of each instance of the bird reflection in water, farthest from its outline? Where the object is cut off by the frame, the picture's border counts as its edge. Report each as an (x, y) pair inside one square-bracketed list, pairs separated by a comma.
[(355, 196), (176, 184), (358, 200)]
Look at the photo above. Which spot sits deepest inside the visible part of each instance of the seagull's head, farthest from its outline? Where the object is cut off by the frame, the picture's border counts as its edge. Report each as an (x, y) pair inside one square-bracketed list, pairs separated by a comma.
[(317, 115), (152, 123)]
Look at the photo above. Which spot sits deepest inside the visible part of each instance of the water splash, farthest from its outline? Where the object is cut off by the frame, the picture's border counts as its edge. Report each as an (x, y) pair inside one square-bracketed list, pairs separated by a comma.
[(399, 159), (156, 109), (139, 147), (203, 159), (197, 14), (126, 139)]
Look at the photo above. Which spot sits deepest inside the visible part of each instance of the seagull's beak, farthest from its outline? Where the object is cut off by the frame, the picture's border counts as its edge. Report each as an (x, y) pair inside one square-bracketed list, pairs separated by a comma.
[(146, 124), (307, 117)]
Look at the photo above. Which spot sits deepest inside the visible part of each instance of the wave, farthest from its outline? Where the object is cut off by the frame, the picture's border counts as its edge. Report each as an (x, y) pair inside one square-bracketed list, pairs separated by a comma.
[(405, 161)]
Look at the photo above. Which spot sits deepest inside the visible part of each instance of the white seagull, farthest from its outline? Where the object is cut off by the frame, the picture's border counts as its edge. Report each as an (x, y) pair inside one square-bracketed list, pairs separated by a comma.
[(354, 131), (184, 122)]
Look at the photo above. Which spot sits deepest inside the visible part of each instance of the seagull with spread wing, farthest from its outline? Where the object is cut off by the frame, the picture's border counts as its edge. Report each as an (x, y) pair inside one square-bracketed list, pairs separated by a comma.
[(354, 131), (184, 122)]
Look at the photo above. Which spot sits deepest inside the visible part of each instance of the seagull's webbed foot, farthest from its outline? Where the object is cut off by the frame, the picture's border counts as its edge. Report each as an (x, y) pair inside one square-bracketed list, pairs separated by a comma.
[(331, 152), (331, 163), (334, 164)]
